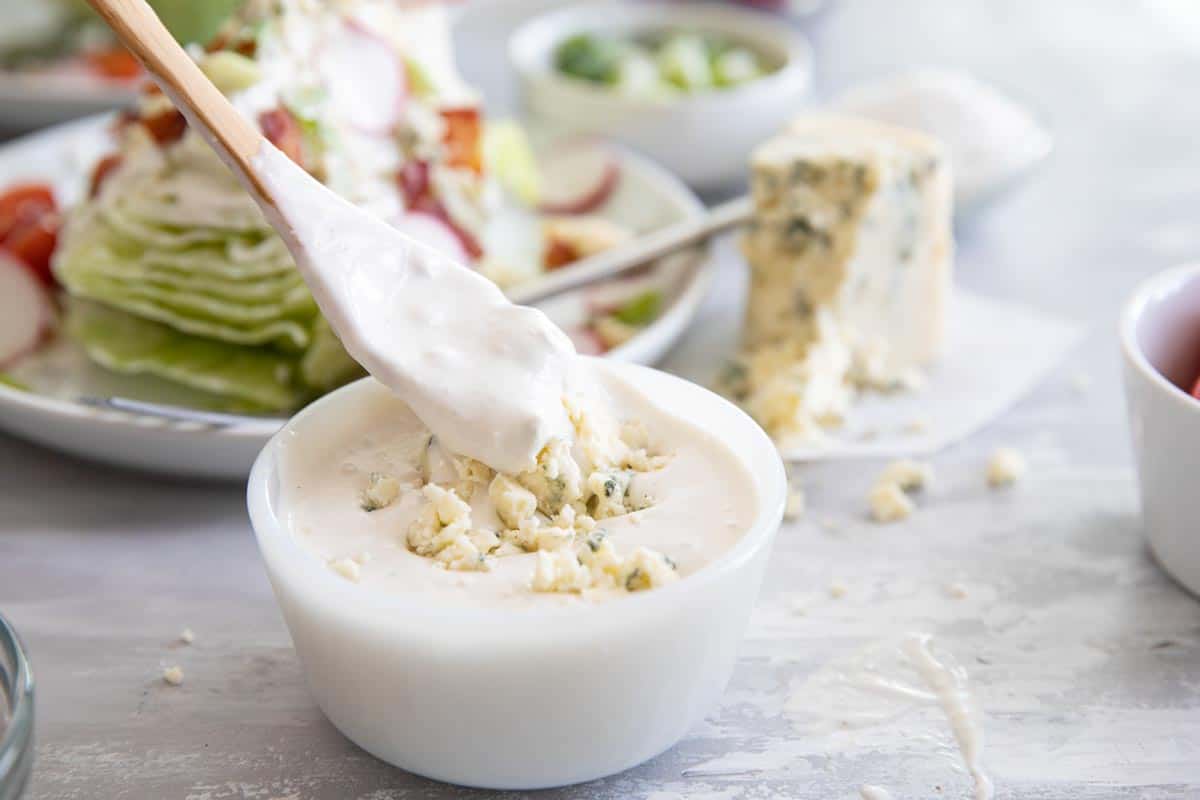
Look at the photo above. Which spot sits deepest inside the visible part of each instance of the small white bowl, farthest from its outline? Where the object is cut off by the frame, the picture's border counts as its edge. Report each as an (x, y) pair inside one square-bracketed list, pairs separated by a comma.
[(1160, 342), (529, 698), (705, 137)]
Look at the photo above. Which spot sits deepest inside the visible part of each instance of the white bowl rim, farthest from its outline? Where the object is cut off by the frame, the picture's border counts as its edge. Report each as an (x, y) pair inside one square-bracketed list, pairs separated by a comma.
[(271, 532), (752, 24), (1157, 287)]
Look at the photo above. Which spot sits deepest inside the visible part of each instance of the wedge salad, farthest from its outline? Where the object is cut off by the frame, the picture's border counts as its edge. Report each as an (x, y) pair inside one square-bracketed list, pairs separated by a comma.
[(168, 269)]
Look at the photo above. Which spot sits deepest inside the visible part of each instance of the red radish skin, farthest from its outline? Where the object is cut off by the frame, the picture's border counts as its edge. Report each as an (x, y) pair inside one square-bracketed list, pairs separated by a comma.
[(281, 129), (414, 183), (417, 190), (583, 177), (26, 312), (372, 105)]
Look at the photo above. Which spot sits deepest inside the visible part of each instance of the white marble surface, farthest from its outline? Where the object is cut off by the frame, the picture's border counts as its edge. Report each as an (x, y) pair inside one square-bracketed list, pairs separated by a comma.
[(1083, 658)]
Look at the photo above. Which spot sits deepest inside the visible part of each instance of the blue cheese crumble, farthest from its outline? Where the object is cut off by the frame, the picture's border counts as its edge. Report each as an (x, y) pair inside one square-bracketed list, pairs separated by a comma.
[(472, 515)]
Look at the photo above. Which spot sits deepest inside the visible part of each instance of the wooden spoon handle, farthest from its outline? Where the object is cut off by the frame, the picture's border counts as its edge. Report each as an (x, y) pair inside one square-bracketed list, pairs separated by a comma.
[(235, 139)]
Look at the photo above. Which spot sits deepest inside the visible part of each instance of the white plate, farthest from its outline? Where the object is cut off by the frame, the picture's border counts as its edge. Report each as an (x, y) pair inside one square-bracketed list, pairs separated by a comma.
[(647, 197), (58, 93), (35, 100)]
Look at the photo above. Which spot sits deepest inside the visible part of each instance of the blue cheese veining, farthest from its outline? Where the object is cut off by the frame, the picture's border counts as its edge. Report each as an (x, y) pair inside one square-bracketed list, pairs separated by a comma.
[(850, 255)]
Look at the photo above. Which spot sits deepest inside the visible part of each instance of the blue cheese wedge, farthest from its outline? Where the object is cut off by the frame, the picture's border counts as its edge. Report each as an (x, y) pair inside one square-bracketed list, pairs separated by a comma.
[(850, 253)]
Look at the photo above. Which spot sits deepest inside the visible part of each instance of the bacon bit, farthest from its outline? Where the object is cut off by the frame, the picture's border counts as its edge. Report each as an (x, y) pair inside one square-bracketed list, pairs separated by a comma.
[(283, 131), (463, 138), (122, 121), (117, 63), (558, 254), (165, 127), (104, 167), (29, 223), (244, 47)]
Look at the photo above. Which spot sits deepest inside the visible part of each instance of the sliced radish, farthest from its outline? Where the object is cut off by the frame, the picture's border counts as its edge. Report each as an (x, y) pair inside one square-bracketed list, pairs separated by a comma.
[(365, 78), (26, 314), (433, 232), (587, 342), (578, 178)]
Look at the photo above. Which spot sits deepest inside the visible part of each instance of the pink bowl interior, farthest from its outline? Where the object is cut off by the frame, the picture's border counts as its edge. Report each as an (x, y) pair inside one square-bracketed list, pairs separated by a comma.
[(1168, 332)]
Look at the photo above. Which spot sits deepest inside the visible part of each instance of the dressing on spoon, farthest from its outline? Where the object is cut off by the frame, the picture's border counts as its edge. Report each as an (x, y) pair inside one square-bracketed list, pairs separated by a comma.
[(485, 376)]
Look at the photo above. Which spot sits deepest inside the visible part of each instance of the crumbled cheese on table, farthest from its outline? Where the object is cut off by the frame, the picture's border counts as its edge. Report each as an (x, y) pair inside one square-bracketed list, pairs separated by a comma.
[(173, 675), (956, 590), (889, 503), (909, 475), (1005, 467), (795, 503)]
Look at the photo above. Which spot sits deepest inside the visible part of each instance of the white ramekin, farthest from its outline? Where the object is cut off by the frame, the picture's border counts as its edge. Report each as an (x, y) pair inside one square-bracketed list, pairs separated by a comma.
[(1160, 344), (521, 699), (705, 137)]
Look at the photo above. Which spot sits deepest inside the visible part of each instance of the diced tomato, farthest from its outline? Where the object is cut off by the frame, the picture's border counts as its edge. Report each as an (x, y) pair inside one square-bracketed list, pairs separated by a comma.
[(166, 126), (34, 245), (29, 223), (24, 202), (102, 170), (463, 138), (117, 63), (558, 254), (283, 131)]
